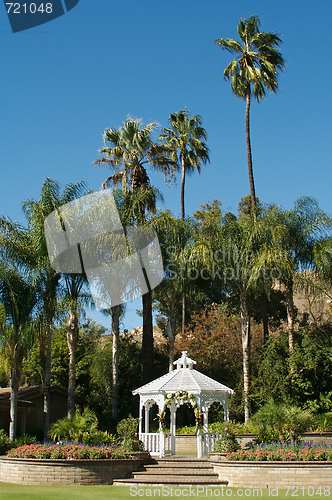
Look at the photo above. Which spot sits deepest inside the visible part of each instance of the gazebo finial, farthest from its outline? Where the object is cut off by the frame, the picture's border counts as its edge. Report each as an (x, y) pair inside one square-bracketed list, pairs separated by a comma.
[(184, 361)]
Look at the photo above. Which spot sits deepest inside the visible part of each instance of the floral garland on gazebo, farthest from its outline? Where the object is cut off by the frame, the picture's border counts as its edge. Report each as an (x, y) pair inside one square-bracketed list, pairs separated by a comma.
[(185, 397)]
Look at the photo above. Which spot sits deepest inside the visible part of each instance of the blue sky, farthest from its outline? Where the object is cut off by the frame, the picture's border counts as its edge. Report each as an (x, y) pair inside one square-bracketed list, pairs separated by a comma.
[(64, 82)]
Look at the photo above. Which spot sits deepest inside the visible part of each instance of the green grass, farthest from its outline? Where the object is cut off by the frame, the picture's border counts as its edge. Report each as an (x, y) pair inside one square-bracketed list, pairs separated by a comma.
[(19, 492)]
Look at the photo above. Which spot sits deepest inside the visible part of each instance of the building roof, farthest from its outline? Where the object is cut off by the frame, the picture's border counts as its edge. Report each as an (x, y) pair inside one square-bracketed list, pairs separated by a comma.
[(28, 393), (183, 378)]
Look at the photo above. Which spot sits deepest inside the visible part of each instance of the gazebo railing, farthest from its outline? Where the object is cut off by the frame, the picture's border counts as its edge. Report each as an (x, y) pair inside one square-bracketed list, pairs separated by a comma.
[(209, 440), (159, 444), (155, 444)]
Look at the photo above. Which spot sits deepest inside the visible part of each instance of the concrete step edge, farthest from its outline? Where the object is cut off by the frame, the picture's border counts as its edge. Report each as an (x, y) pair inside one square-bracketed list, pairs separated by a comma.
[(176, 473), (165, 482)]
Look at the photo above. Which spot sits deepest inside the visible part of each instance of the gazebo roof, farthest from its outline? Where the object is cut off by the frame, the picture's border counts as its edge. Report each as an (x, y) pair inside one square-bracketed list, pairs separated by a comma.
[(183, 378)]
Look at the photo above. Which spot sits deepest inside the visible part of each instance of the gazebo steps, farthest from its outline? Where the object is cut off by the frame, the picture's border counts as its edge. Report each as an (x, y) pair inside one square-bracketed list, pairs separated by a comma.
[(166, 482), (174, 472)]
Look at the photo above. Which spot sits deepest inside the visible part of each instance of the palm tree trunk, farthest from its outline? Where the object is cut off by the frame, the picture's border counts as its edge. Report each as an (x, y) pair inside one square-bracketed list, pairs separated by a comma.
[(290, 322), (147, 340), (183, 308), (116, 310), (47, 384), (14, 385), (245, 332), (72, 340), (49, 306), (171, 331), (265, 320), (183, 180), (249, 156), (290, 316)]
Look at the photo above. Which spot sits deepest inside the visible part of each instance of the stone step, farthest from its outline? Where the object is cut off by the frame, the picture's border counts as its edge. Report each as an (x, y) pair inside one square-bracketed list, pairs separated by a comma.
[(178, 472), (174, 472), (181, 465), (169, 481)]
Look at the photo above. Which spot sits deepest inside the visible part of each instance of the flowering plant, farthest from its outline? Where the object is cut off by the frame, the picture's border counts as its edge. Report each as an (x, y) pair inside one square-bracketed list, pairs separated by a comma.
[(67, 451), (303, 453), (226, 442)]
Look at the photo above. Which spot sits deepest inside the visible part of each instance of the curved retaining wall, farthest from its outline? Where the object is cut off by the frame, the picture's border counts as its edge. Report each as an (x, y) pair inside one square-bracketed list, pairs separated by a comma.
[(66, 472), (275, 474)]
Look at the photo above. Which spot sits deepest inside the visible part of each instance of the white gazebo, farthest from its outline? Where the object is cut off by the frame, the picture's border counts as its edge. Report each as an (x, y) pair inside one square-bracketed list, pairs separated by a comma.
[(170, 389)]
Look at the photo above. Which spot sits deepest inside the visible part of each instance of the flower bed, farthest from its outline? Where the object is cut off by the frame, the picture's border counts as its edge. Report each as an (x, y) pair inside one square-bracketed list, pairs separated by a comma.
[(285, 454), (68, 463), (67, 452)]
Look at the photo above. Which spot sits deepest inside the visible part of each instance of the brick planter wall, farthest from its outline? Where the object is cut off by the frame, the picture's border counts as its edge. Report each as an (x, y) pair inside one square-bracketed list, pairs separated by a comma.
[(275, 474), (69, 472)]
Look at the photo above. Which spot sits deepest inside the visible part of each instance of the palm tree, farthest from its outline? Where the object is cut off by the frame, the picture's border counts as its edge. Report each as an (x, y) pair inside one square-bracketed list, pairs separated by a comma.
[(139, 202), (131, 148), (75, 295), (249, 253), (254, 70), (51, 198), (186, 138), (116, 312), (19, 295)]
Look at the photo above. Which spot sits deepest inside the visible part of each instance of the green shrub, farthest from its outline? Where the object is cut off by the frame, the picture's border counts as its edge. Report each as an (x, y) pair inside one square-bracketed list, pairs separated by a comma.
[(127, 431), (73, 428), (26, 439), (281, 421), (186, 430), (227, 441), (98, 438), (5, 444), (323, 422), (235, 427)]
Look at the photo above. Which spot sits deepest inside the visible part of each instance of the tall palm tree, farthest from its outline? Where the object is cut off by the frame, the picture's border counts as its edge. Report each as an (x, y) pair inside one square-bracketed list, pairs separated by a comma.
[(249, 252), (186, 138), (127, 150), (51, 198), (19, 296), (76, 294), (254, 70)]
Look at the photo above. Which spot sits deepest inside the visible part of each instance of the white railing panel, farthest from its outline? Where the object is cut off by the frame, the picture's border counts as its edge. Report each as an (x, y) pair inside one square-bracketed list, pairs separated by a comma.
[(151, 441), (209, 441)]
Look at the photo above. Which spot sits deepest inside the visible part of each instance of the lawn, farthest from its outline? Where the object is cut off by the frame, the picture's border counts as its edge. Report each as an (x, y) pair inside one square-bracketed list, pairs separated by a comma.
[(17, 492)]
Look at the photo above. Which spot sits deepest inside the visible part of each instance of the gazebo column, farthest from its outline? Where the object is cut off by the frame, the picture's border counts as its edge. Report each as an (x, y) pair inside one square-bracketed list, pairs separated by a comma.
[(199, 443), (173, 426), (146, 423), (140, 419), (206, 421), (225, 405), (161, 436), (199, 432)]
